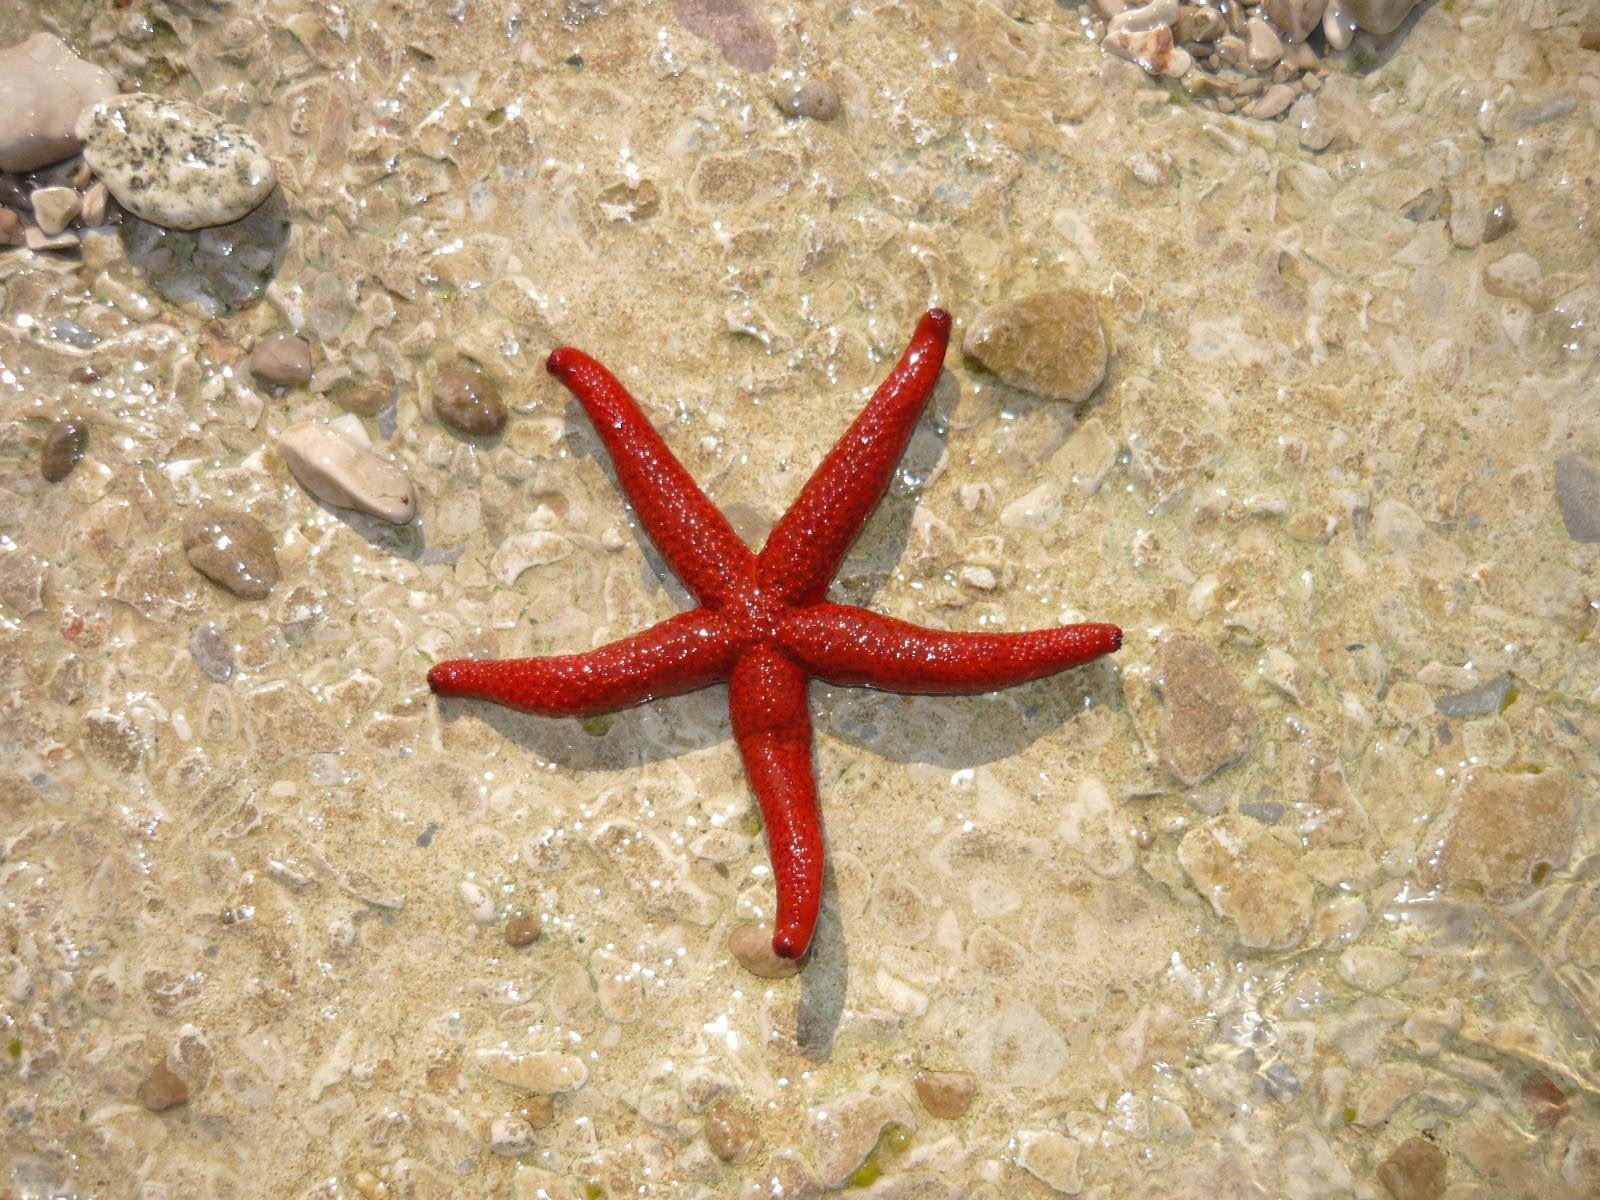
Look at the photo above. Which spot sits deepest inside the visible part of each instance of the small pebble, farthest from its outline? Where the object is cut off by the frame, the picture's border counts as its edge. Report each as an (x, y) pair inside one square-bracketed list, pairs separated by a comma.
[(172, 163), (338, 472), (813, 98), (162, 1090), (37, 239), (84, 373), (55, 207), (729, 1132), (1264, 46), (211, 653), (64, 447), (1414, 1170), (44, 87), (510, 1136), (537, 1111), (945, 1094), (362, 399), (1499, 222), (751, 944), (523, 929), (232, 549), (11, 228), (96, 205), (281, 360), (469, 402), (1480, 701), (1578, 495), (1049, 343), (480, 905)]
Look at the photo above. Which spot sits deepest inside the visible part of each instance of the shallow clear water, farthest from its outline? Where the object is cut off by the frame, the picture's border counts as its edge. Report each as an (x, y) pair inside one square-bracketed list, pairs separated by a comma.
[(1246, 911)]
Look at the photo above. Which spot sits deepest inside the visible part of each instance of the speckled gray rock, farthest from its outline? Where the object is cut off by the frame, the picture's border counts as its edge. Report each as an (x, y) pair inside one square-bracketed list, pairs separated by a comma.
[(1050, 343), (1578, 494), (44, 87), (337, 471), (233, 550), (1480, 701), (174, 164)]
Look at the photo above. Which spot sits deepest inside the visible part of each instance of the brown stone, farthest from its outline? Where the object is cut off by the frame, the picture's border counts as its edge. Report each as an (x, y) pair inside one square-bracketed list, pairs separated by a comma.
[(1504, 832), (729, 1133), (1052, 344), (523, 929), (469, 402), (233, 550), (1414, 1170), (945, 1094), (1207, 723), (751, 944), (281, 360), (63, 449), (162, 1090)]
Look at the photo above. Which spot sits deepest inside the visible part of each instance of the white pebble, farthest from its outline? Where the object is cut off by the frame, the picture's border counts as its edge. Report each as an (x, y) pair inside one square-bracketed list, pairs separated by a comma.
[(1372, 968), (337, 471), (480, 905), (510, 1136)]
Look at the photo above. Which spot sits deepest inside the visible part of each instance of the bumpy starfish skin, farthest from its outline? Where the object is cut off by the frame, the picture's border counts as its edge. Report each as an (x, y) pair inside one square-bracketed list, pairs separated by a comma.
[(763, 625)]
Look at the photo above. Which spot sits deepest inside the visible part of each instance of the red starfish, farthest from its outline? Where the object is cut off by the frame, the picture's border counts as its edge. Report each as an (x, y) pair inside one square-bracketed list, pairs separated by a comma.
[(764, 625)]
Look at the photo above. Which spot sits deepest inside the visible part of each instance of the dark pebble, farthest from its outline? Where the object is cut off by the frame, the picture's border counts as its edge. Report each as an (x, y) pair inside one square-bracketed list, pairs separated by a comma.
[(523, 929), (162, 1090), (813, 98), (1499, 222), (281, 360), (469, 402), (1480, 701), (83, 374), (1414, 1170), (1578, 494), (211, 653), (63, 448)]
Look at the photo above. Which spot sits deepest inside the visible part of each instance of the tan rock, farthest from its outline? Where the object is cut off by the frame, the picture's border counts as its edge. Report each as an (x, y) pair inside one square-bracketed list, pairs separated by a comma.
[(542, 1071), (44, 87), (1206, 724), (1251, 879), (1052, 344), (1379, 16), (751, 945), (945, 1094), (846, 1130), (54, 208), (337, 471), (1504, 832), (1295, 19), (281, 359), (1414, 1170)]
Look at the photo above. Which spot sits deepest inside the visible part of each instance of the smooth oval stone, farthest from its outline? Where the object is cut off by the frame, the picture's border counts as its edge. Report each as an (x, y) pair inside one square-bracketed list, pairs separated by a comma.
[(44, 88), (174, 164), (469, 402), (63, 448), (231, 549), (281, 360), (1050, 343), (337, 471), (811, 97)]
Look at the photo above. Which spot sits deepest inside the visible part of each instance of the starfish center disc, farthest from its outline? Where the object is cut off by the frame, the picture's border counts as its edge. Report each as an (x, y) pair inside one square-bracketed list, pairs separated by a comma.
[(758, 613)]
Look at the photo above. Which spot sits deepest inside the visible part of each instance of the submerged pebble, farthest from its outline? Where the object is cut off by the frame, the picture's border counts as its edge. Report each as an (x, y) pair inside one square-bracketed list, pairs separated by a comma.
[(751, 945), (469, 402), (510, 1136), (810, 97), (232, 549), (63, 449), (162, 1090), (1480, 701), (1414, 1170), (174, 164), (44, 87), (1050, 343), (945, 1094), (1578, 495), (54, 208), (338, 472), (281, 359), (523, 929), (209, 648), (730, 1133)]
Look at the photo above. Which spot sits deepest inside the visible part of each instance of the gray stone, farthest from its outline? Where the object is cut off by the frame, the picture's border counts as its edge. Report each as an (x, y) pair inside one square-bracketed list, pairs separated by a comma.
[(174, 164), (1480, 701), (1578, 494), (44, 87)]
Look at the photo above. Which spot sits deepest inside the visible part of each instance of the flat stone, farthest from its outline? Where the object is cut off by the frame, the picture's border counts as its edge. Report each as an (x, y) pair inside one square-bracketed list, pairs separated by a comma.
[(1207, 724), (1052, 344), (174, 164), (233, 550), (945, 1094), (54, 208), (44, 88), (37, 239), (162, 1090), (544, 1071), (733, 28), (1051, 1158), (1251, 879), (1480, 701), (1578, 494), (338, 472), (1414, 1170), (281, 359), (844, 1131), (1504, 832)]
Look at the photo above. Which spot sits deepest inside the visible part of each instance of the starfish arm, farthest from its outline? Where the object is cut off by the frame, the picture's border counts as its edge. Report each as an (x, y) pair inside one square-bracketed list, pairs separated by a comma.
[(772, 725), (805, 548), (857, 648), (696, 540), (683, 653)]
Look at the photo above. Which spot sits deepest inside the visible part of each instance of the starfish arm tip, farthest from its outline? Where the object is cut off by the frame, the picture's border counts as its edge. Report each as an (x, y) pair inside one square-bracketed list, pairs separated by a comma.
[(1115, 639), (442, 677), (790, 941), (939, 319), (561, 360)]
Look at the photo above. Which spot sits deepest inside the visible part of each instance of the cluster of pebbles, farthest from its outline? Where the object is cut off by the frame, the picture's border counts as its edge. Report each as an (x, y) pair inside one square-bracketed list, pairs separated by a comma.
[(1254, 57)]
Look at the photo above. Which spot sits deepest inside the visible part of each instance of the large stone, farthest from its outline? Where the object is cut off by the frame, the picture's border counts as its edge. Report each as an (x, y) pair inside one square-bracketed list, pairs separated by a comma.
[(1050, 343), (174, 164), (44, 88), (337, 471), (1295, 19), (1251, 879), (1504, 832), (1379, 16), (1207, 724)]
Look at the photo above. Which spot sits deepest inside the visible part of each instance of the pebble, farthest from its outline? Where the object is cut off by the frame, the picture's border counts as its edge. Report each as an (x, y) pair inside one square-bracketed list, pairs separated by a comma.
[(1052, 1158), (44, 87), (751, 945), (1372, 968), (1295, 19), (338, 472), (232, 549), (480, 905), (63, 449), (174, 164), (542, 1071), (1414, 1170), (54, 208), (1578, 495), (468, 402), (1499, 222), (162, 1090), (1338, 26), (523, 929), (37, 239), (1152, 49), (1207, 723), (510, 1136), (1200, 24), (945, 1094), (537, 1111), (1503, 832), (1264, 46), (1052, 344), (96, 205), (11, 228), (1487, 697), (363, 399), (846, 1130), (281, 359), (811, 97), (1250, 878), (1379, 16), (1157, 14), (729, 1132), (1271, 103), (209, 648)]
